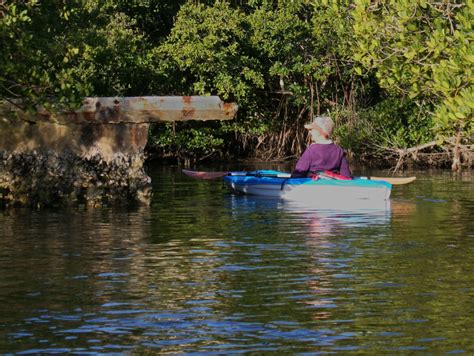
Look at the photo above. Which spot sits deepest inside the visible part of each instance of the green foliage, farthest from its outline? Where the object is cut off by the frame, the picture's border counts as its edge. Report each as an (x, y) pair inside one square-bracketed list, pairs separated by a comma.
[(33, 67), (390, 73), (397, 123), (333, 40), (55, 53), (280, 40), (421, 50), (281, 61), (153, 18), (208, 55), (192, 143)]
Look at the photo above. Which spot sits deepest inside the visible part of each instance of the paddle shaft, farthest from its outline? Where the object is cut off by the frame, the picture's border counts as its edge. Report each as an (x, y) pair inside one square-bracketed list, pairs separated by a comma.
[(214, 175)]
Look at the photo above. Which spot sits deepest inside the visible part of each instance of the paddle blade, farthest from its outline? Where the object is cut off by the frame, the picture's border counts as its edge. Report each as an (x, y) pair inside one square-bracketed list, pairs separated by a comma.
[(395, 180), (204, 175)]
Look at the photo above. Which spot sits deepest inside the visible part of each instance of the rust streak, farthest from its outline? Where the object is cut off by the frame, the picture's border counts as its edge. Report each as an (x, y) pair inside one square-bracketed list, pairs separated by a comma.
[(188, 113), (187, 100)]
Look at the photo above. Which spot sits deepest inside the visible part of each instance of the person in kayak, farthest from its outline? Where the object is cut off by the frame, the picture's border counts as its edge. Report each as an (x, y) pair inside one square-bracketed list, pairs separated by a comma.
[(323, 154)]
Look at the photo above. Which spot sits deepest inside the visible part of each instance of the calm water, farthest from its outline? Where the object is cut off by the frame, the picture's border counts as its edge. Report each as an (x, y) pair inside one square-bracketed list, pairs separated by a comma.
[(203, 271)]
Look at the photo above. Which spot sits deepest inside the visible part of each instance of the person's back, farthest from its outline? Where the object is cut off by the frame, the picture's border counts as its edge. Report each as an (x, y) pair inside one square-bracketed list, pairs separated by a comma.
[(323, 154)]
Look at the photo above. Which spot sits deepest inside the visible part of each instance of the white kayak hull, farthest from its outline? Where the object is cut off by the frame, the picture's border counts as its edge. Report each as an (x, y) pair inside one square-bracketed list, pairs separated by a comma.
[(306, 189)]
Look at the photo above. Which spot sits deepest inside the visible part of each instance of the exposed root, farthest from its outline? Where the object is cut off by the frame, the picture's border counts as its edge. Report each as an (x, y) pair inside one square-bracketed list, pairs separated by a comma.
[(450, 151)]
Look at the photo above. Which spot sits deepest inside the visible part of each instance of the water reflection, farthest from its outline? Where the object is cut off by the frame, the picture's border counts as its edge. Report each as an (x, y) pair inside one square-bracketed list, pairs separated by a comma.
[(321, 218), (323, 244), (206, 271)]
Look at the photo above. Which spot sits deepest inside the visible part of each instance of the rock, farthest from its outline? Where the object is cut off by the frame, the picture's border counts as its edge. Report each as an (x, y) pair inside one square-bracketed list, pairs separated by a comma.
[(46, 178)]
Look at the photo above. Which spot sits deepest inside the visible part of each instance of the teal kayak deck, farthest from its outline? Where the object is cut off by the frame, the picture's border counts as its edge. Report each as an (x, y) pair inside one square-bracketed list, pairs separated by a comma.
[(271, 177)]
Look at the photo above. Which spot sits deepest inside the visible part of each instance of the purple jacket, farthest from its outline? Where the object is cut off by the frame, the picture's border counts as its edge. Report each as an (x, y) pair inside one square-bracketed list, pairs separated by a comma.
[(322, 157)]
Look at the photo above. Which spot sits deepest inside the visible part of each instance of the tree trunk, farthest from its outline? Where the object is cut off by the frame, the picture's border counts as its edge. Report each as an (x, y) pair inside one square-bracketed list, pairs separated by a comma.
[(456, 166)]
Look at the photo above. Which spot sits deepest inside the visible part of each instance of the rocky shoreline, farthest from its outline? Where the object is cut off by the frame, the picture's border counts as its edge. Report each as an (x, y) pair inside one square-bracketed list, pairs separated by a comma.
[(41, 178)]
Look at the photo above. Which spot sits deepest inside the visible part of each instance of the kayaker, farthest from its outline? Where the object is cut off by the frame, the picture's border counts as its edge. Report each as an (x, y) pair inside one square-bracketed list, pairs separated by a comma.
[(323, 154)]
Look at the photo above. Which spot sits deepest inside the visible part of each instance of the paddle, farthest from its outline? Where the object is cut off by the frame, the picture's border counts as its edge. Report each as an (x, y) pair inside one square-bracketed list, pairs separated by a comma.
[(214, 175), (392, 180)]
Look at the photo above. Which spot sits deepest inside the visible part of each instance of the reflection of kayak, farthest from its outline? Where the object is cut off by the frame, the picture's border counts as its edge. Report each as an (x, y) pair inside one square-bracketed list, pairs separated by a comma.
[(275, 184), (359, 207)]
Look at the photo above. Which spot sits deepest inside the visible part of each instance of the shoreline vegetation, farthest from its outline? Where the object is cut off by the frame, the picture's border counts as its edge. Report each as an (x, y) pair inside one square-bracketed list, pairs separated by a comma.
[(430, 155), (396, 77)]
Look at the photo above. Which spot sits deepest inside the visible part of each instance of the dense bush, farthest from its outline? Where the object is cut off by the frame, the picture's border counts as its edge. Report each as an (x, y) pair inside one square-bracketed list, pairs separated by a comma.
[(392, 74)]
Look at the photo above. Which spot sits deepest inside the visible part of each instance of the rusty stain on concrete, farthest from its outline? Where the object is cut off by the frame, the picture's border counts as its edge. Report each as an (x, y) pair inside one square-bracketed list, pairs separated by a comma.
[(144, 109)]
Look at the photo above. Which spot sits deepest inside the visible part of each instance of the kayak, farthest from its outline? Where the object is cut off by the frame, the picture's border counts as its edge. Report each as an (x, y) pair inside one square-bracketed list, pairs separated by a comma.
[(277, 184)]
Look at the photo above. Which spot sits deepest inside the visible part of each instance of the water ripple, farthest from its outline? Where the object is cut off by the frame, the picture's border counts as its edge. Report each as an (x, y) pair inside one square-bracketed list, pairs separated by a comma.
[(203, 271)]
